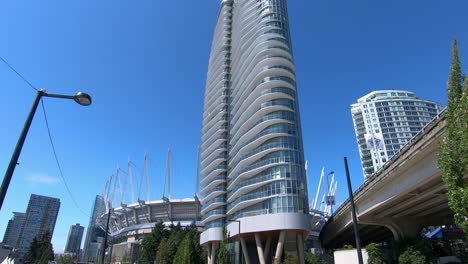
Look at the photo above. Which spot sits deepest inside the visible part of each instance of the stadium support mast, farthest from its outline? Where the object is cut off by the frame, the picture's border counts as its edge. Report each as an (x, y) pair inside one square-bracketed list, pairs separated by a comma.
[(168, 168), (148, 197), (318, 188), (130, 175)]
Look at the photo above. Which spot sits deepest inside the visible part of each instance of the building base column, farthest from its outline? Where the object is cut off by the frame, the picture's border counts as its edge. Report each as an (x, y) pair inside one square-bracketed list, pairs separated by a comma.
[(279, 247), (209, 254), (267, 248), (244, 251), (300, 248), (258, 241), (213, 253)]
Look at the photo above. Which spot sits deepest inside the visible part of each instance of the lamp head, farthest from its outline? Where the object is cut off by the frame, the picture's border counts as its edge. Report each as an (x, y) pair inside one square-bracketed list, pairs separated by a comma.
[(82, 98)]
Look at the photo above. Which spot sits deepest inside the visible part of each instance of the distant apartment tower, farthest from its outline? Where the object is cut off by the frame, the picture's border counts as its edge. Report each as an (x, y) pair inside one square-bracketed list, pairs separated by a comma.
[(251, 159), (384, 121), (41, 216), (13, 229), (74, 239), (94, 231)]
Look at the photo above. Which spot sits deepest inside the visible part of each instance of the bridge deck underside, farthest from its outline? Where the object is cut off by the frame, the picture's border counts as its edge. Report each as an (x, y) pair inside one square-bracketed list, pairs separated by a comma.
[(367, 234), (405, 196)]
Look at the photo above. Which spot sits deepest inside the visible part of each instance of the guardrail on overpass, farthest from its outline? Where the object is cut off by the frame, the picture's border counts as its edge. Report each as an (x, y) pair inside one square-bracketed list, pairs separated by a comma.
[(406, 194)]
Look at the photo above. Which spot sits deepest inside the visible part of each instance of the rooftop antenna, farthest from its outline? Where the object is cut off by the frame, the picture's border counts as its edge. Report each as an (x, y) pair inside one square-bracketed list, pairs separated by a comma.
[(318, 189), (168, 167), (130, 175), (147, 177)]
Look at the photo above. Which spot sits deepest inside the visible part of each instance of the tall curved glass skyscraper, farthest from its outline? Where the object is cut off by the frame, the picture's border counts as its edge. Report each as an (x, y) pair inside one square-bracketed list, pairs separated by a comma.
[(252, 162)]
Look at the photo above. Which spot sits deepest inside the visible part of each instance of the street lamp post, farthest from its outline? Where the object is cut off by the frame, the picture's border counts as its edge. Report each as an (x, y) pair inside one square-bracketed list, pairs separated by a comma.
[(240, 247), (80, 98)]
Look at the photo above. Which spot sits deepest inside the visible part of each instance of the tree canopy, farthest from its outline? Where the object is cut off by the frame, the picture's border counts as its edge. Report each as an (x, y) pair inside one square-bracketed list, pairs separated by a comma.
[(453, 151), (40, 250)]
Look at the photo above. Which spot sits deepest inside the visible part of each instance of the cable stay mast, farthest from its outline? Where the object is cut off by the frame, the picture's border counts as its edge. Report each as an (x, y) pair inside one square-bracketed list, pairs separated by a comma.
[(130, 175), (168, 169), (111, 202), (318, 188), (120, 186), (145, 168)]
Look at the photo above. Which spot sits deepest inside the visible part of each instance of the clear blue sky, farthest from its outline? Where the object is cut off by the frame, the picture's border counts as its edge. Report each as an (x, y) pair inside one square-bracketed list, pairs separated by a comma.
[(145, 62)]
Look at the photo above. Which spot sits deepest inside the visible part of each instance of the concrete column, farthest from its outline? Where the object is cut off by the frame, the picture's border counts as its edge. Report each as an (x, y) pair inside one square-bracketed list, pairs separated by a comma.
[(136, 216), (279, 247), (126, 218), (213, 252), (209, 254), (300, 248), (258, 241), (267, 248), (244, 251)]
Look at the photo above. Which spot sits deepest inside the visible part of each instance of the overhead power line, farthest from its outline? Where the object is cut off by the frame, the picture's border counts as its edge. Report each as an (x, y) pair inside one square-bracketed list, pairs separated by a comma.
[(57, 161), (19, 74), (50, 135)]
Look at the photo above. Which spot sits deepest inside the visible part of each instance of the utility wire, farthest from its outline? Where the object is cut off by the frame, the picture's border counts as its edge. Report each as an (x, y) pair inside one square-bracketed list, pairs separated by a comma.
[(50, 135), (57, 161), (17, 73)]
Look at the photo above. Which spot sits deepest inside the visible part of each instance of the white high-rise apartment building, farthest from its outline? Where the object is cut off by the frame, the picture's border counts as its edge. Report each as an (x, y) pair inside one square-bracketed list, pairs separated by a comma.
[(251, 159), (384, 121)]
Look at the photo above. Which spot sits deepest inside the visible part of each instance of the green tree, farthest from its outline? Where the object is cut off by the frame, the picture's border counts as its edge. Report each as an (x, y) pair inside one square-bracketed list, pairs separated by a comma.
[(65, 260), (411, 256), (375, 254), (310, 258), (223, 257), (453, 151), (151, 242), (40, 250), (166, 250), (185, 253), (291, 259)]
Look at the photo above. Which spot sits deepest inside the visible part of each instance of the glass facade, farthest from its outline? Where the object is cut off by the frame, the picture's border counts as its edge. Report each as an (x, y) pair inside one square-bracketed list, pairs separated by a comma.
[(41, 216), (74, 239), (391, 116), (13, 229), (99, 208), (252, 160)]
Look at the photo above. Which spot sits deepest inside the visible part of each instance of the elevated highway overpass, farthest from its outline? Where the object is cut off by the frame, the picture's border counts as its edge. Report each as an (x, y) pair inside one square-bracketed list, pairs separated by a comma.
[(405, 195)]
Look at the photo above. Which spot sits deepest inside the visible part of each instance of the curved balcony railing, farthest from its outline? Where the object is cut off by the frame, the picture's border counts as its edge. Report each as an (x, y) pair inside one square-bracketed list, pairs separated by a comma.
[(212, 201), (284, 115), (211, 138), (285, 128), (218, 159), (214, 223), (236, 97), (251, 181), (214, 173), (275, 102), (221, 187), (213, 183), (262, 194), (214, 212), (220, 166), (222, 148), (251, 213), (265, 162), (274, 145)]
